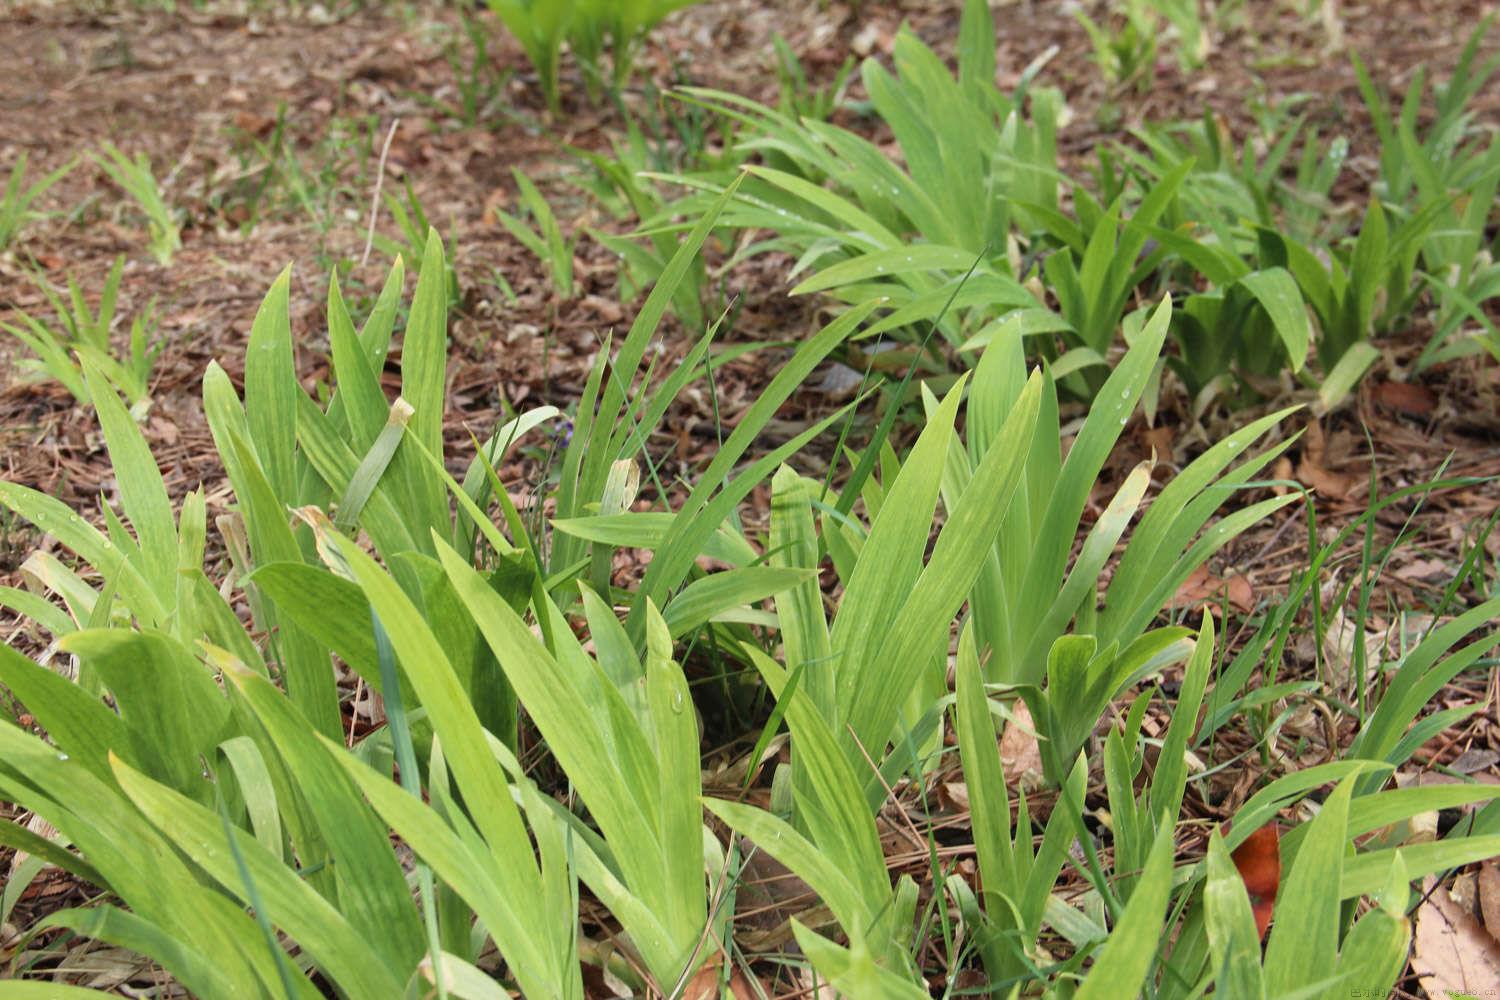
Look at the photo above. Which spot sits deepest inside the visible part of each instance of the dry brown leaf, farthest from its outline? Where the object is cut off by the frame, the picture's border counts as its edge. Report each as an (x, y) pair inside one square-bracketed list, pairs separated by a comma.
[(1314, 472), (954, 795), (1452, 953), (1281, 470), (1338, 647), (1203, 588), (1419, 570), (1020, 756), (1158, 441), (1327, 483), (1474, 759), (768, 897), (1489, 897), (1406, 397), (705, 985)]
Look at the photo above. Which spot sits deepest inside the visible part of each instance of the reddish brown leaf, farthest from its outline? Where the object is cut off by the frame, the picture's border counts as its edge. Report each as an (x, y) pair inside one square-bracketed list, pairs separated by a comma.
[(1406, 397), (1258, 861)]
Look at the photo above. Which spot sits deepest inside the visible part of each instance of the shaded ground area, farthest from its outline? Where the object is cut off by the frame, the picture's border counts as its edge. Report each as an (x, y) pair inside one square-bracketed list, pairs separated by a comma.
[(214, 98)]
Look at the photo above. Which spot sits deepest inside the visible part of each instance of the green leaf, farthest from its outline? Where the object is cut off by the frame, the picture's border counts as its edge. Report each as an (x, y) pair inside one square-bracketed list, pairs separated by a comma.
[(1350, 368), (1306, 931), (142, 492), (1276, 291), (1231, 926), (716, 595), (173, 711), (372, 890), (881, 682), (77, 722), (424, 359), (271, 390), (340, 949), (853, 970), (537, 952), (1122, 964)]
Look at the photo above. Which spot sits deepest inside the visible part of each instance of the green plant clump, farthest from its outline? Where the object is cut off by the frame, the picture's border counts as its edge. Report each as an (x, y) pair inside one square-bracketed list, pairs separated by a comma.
[(593, 29), (198, 771)]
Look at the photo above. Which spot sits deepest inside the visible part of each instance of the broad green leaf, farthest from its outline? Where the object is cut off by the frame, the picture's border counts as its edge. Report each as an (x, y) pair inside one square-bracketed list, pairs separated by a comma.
[(1231, 926), (142, 493), (706, 599), (1305, 933), (1127, 956), (1276, 291), (271, 389), (853, 970), (173, 711), (338, 947), (372, 891)]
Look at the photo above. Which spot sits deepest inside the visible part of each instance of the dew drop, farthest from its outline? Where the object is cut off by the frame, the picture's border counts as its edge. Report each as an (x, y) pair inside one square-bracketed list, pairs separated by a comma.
[(62, 756), (677, 701)]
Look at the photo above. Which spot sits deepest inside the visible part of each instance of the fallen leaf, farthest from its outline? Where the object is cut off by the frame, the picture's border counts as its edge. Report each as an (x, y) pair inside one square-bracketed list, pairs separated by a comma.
[(954, 795), (1472, 760), (1419, 570), (768, 897), (1452, 953), (254, 124), (1203, 588), (497, 199), (1338, 647), (163, 430), (1489, 897), (1158, 440), (1281, 470), (705, 985), (1258, 861), (1020, 756), (1314, 472), (1406, 397), (1325, 482)]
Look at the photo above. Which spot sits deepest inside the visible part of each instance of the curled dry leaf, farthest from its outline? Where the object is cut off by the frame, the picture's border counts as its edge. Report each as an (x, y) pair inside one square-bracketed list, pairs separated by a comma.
[(1203, 588), (1453, 953), (1258, 860), (1313, 468), (705, 985), (1020, 756), (1489, 897)]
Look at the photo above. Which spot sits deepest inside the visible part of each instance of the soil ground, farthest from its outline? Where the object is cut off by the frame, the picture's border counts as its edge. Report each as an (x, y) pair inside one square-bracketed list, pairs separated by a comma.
[(197, 91)]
